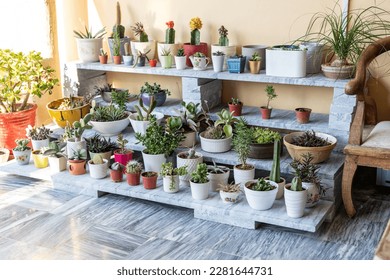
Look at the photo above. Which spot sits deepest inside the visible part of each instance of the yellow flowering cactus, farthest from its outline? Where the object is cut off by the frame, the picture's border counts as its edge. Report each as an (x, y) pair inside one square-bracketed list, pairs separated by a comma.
[(195, 25)]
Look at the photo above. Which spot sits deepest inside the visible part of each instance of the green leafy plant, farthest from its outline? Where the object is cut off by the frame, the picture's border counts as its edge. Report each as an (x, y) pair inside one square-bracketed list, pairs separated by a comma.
[(79, 154), (38, 133), (88, 34), (118, 28), (296, 184), (191, 116), (152, 89), (121, 141), (180, 52), (199, 176), (223, 36), (21, 76), (270, 92), (21, 145), (309, 139), (255, 57), (108, 113), (133, 167), (56, 149), (226, 120), (305, 170), (264, 135), (139, 30), (261, 185), (116, 49), (100, 144), (167, 169), (120, 97), (235, 101), (241, 141), (229, 188)]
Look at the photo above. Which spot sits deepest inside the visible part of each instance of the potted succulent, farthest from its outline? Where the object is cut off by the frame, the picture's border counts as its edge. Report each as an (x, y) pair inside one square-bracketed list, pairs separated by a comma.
[(235, 107), (17, 71), (261, 193), (122, 155), (171, 176), (155, 90), (189, 158), (143, 46), (4, 155), (39, 136), (195, 45), (308, 173), (242, 139), (169, 44), (40, 161), (119, 29), (277, 57), (116, 172), (103, 56), (149, 179), (180, 59), (218, 59), (267, 110), (223, 46), (229, 192), (302, 114), (141, 120), (109, 120), (99, 145), (199, 61), (142, 57), (320, 145), (128, 59), (77, 162), (218, 136), (133, 172), (98, 167), (116, 49), (262, 145), (56, 156), (199, 182), (73, 133), (89, 44), (274, 175), (22, 152), (255, 63), (236, 63), (217, 174), (166, 58), (295, 197)]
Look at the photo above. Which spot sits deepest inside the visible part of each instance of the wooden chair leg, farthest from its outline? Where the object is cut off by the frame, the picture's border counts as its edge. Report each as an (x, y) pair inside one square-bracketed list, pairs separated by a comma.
[(348, 174)]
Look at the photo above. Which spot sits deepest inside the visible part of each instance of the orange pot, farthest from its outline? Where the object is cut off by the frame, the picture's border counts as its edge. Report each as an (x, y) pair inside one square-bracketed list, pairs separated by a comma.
[(77, 167), (149, 179), (117, 59), (265, 113), (133, 179), (103, 59), (236, 108)]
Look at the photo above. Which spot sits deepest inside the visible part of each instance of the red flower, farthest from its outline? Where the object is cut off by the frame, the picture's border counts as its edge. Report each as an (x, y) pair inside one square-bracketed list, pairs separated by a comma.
[(170, 24)]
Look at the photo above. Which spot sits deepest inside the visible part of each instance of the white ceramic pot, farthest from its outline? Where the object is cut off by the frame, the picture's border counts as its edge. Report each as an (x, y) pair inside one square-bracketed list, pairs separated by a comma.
[(281, 185), (229, 197), (89, 49), (128, 60), (215, 145), (242, 176), (171, 47), (295, 202), (217, 179), (4, 155), (189, 140), (277, 59), (249, 50), (171, 184), (314, 55), (200, 191), (260, 200), (22, 157), (153, 162), (199, 63), (227, 50), (141, 126), (98, 171), (180, 62), (106, 155), (38, 144), (191, 166), (110, 128), (218, 62), (313, 194), (57, 164), (72, 146), (143, 47)]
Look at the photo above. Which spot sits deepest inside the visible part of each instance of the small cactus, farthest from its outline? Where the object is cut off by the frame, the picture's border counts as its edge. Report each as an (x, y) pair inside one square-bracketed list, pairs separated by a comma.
[(97, 159), (223, 39), (139, 30), (170, 33), (118, 28), (195, 25), (296, 184)]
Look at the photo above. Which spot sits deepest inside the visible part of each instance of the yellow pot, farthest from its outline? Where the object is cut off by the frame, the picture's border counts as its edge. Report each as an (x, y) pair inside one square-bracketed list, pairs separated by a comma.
[(60, 117), (40, 161)]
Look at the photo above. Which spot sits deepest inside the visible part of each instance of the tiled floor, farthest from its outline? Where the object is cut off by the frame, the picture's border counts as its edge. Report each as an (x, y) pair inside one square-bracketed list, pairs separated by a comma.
[(37, 222)]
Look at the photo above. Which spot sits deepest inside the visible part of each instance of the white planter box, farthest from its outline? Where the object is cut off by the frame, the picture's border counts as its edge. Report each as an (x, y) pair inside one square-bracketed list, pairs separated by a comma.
[(285, 63)]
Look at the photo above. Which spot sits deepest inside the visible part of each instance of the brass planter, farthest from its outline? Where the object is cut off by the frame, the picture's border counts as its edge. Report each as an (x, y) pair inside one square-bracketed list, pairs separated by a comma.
[(254, 66)]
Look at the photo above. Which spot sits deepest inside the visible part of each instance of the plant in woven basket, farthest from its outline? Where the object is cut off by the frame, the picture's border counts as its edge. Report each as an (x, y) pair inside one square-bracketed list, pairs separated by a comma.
[(310, 139), (223, 38), (139, 30)]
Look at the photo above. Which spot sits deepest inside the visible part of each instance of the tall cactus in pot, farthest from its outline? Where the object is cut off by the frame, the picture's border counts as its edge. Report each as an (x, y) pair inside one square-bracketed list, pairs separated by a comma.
[(275, 171), (223, 38), (118, 28), (170, 33)]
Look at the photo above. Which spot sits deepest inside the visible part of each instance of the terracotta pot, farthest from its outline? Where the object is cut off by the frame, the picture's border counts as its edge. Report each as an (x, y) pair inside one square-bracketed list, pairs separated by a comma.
[(123, 158), (149, 179), (254, 66), (133, 179), (77, 167), (153, 62), (302, 114), (191, 49), (237, 108), (13, 126), (265, 113), (116, 175), (103, 59), (117, 59), (60, 117)]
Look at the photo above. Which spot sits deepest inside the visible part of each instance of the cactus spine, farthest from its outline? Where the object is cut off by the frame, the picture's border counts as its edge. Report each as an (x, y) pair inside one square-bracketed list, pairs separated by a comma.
[(195, 37), (223, 39), (170, 33), (296, 184), (275, 171), (118, 28)]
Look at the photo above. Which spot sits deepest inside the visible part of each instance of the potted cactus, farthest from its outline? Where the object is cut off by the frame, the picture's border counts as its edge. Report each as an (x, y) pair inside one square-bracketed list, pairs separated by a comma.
[(98, 167), (103, 57), (116, 172), (116, 49), (22, 152), (143, 45), (217, 174), (122, 155), (261, 193), (189, 158), (119, 29), (274, 175), (295, 197), (223, 46), (56, 156), (40, 161), (141, 120), (171, 176), (169, 44), (229, 192), (267, 110), (235, 107), (195, 45), (77, 162), (200, 184), (133, 172), (73, 134), (180, 59)]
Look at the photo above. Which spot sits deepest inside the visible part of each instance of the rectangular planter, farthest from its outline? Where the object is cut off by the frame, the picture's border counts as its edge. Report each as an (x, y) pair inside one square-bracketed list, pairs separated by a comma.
[(236, 64), (285, 61)]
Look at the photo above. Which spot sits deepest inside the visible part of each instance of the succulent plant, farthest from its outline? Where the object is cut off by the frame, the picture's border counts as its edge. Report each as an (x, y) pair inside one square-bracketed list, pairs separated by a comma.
[(126, 47), (218, 53), (296, 184), (108, 113), (217, 169), (121, 141), (180, 52), (199, 54), (117, 166), (133, 167), (79, 154), (165, 52), (170, 33), (97, 159), (230, 188), (262, 185), (200, 174), (100, 144), (140, 31), (77, 128), (38, 133), (310, 139), (235, 101), (305, 170), (167, 169), (223, 38), (275, 170), (89, 34), (56, 149), (148, 110), (255, 57), (21, 145), (152, 89), (195, 26)]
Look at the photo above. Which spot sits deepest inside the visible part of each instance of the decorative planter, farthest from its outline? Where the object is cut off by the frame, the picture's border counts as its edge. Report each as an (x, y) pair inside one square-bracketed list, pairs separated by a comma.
[(217, 179), (171, 184), (313, 194), (166, 61), (191, 165), (116, 175), (38, 144), (278, 57), (236, 109), (180, 62), (295, 202), (77, 167), (40, 161), (149, 179), (241, 176), (215, 145), (110, 128), (229, 197), (117, 59), (22, 157), (60, 117), (171, 47), (4, 155), (249, 50), (103, 59), (227, 50), (72, 146), (160, 98), (265, 112), (281, 185), (98, 171), (153, 162), (260, 200), (13, 125), (89, 49), (123, 158), (191, 49), (122, 48), (319, 154), (189, 140), (343, 72), (152, 62), (254, 66), (128, 60), (143, 47), (141, 126), (302, 115), (314, 53), (200, 191), (199, 63), (218, 62), (236, 64), (133, 179), (57, 164)]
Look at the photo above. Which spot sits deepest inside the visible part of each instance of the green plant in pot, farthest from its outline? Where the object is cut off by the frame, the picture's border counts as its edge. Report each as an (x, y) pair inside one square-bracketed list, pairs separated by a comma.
[(143, 48), (122, 155), (89, 43), (77, 162), (217, 174), (180, 59), (195, 44), (148, 90), (274, 175), (109, 120), (22, 152), (73, 133), (189, 158), (235, 106), (98, 144), (267, 110), (229, 192), (21, 76), (254, 63), (56, 155), (39, 136), (261, 193), (199, 182), (171, 175), (118, 30), (262, 146), (98, 167), (133, 172), (295, 197), (116, 172)]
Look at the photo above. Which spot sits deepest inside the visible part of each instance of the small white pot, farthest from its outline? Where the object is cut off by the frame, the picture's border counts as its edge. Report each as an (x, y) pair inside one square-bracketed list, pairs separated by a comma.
[(218, 62), (38, 144), (171, 184), (261, 200), (229, 197), (22, 157), (215, 145), (295, 202), (313, 194), (200, 191), (191, 166), (227, 50), (242, 176), (189, 140), (4, 155), (153, 162), (89, 49), (128, 60), (72, 146), (57, 164), (143, 47), (281, 185), (110, 128), (180, 62), (98, 171), (217, 179), (141, 126), (171, 47), (277, 59)]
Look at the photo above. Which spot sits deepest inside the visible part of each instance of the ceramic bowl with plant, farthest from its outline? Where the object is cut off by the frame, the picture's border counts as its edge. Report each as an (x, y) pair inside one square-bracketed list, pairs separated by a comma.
[(261, 193), (229, 192), (22, 152)]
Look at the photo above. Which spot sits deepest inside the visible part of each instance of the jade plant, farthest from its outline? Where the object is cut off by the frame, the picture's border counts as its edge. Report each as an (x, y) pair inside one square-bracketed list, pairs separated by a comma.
[(121, 141), (170, 33), (152, 89), (223, 38), (140, 31), (195, 26), (118, 28), (270, 92)]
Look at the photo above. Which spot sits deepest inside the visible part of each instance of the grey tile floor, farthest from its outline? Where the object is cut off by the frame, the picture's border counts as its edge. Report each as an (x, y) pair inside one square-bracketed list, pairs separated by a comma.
[(38, 222)]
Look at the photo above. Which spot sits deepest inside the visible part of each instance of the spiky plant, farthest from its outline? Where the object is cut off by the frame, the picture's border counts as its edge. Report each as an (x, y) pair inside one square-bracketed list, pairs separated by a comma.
[(139, 30), (195, 26), (118, 28), (262, 185), (242, 140), (309, 139), (223, 38), (170, 33), (88, 34), (180, 52)]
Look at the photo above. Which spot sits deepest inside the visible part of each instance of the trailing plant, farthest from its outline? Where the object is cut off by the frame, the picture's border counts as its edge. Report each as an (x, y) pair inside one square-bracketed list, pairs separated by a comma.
[(218, 53), (235, 101), (262, 185), (191, 116), (255, 57), (170, 33), (153, 89), (305, 170), (100, 144), (241, 141), (264, 135), (217, 169), (133, 167), (270, 92), (199, 176), (38, 133), (223, 38), (21, 145), (118, 28), (79, 154), (296, 184), (180, 52), (97, 159), (229, 188), (139, 30), (56, 149), (108, 113), (195, 26), (275, 170), (167, 169), (147, 116), (121, 141), (310, 139), (89, 34)]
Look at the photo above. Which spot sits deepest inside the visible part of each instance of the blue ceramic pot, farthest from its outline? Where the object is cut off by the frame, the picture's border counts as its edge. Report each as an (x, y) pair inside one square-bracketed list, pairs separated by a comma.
[(159, 97)]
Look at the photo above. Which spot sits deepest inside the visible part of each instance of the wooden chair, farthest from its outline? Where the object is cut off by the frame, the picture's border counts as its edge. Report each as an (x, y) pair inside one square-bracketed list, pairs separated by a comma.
[(373, 151)]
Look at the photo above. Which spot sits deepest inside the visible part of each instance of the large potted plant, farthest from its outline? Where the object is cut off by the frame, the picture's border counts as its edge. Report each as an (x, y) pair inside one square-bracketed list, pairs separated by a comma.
[(262, 145), (89, 44), (223, 45), (267, 110), (261, 193), (190, 159), (148, 90), (171, 175), (143, 45), (21, 76), (195, 45), (200, 184)]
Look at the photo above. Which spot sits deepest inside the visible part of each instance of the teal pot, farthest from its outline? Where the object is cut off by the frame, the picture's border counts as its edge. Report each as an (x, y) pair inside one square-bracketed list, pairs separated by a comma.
[(236, 64)]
